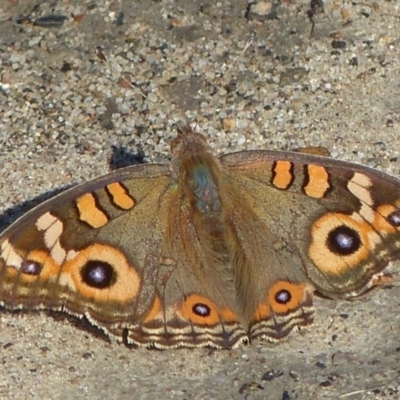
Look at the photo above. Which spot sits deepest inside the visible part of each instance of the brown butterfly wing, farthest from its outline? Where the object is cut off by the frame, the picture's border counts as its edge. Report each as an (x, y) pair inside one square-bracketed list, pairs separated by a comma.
[(335, 223), (92, 250), (121, 251)]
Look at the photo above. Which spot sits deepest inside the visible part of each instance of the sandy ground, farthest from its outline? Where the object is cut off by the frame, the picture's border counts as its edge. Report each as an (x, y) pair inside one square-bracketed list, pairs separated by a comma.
[(66, 116)]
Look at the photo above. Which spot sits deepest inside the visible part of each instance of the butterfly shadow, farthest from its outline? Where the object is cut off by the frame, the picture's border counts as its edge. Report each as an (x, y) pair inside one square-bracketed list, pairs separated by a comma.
[(122, 157)]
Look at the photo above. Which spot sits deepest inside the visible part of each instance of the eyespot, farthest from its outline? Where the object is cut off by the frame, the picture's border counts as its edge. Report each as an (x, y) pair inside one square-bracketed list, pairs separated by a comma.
[(98, 274), (394, 218), (387, 219), (201, 309), (340, 242), (30, 267), (102, 273), (343, 240), (285, 306), (283, 296)]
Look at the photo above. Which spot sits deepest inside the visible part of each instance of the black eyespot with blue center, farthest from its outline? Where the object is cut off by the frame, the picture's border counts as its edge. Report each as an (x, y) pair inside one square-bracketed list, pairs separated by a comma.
[(98, 274), (283, 296), (30, 267), (394, 218), (343, 240), (202, 310)]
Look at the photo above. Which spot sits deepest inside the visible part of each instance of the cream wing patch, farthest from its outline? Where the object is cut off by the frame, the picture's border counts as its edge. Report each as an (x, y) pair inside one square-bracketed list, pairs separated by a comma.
[(360, 186), (53, 229), (10, 256)]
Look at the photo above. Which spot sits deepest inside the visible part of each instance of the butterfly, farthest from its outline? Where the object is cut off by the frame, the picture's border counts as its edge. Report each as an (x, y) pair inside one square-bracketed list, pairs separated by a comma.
[(205, 251)]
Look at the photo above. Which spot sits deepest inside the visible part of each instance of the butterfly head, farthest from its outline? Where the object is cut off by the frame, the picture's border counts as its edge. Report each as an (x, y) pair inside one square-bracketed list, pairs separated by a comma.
[(188, 142)]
